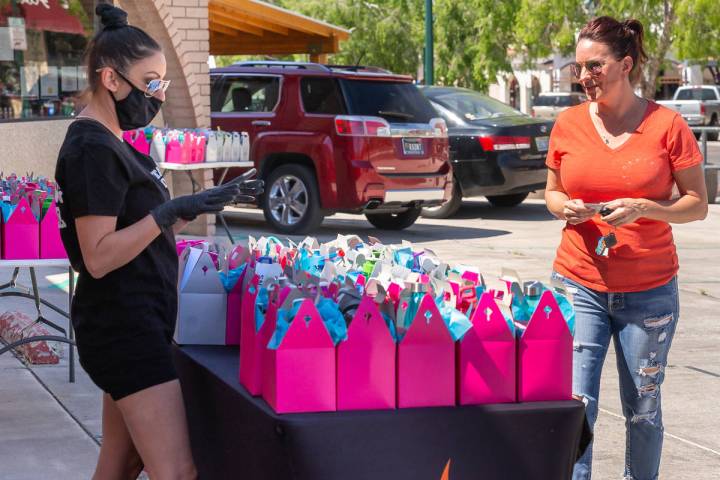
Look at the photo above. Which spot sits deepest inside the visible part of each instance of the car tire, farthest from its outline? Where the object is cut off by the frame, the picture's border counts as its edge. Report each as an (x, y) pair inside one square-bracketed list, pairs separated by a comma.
[(511, 200), (713, 136), (291, 202), (394, 221), (447, 209)]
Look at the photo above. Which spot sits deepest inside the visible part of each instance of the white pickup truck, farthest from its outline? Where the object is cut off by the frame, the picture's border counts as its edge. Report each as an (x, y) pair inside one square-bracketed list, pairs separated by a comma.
[(698, 105)]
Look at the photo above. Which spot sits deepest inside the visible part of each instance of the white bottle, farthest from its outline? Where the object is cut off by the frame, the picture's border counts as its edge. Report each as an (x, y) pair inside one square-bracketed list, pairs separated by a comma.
[(211, 148), (236, 147), (227, 147), (245, 150), (157, 147)]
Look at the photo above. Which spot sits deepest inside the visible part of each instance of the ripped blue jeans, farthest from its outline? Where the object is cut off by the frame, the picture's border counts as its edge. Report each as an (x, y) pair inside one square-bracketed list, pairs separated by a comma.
[(641, 325)]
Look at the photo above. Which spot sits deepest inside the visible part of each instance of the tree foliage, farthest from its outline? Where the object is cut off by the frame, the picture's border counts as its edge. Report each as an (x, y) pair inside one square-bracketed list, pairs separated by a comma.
[(477, 39)]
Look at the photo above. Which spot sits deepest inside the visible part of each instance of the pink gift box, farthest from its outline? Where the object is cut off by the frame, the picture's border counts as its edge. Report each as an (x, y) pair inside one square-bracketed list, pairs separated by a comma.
[(234, 311), (545, 355), (21, 234), (486, 357), (366, 362), (137, 139), (251, 344), (51, 245), (299, 376), (426, 361)]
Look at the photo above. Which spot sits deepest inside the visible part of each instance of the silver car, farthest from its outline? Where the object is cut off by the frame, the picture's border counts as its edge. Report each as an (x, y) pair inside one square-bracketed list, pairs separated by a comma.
[(550, 104)]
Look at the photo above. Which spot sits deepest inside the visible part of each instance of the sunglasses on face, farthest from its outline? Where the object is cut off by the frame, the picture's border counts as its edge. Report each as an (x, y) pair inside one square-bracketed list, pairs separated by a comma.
[(592, 66), (152, 88)]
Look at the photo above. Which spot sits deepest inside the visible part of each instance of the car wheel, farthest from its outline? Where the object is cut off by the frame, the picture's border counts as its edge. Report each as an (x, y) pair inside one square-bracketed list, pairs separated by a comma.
[(447, 209), (511, 200), (291, 203), (713, 136), (394, 221)]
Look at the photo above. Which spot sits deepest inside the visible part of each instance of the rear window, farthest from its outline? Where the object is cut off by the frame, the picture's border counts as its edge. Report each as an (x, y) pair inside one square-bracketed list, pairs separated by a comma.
[(321, 96), (475, 106), (393, 101), (556, 101), (696, 94)]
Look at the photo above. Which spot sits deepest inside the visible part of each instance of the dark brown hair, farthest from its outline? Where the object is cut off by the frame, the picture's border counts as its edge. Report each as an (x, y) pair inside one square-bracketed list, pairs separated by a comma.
[(624, 39), (117, 45)]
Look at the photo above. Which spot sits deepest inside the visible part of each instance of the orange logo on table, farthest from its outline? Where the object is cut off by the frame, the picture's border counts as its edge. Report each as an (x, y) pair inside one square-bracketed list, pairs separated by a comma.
[(446, 472)]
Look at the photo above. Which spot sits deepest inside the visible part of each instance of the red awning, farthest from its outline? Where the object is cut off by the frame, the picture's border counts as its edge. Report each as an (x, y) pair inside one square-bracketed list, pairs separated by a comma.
[(49, 15)]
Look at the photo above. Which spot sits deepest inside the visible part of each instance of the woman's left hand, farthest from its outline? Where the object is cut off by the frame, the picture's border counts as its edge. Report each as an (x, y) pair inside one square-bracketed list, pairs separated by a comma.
[(625, 210)]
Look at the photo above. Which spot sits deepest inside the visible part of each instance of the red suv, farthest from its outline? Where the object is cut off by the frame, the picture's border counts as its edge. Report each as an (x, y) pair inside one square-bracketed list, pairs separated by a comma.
[(332, 139)]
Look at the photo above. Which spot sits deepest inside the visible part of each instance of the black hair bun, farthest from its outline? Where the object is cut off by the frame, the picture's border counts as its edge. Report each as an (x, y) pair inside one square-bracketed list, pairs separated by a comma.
[(111, 16)]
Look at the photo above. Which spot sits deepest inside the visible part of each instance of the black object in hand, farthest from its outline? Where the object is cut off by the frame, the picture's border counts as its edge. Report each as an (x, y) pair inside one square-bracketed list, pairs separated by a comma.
[(188, 207), (605, 211)]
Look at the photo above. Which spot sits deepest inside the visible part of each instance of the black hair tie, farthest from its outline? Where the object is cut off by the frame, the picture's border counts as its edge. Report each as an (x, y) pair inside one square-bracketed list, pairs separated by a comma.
[(111, 17)]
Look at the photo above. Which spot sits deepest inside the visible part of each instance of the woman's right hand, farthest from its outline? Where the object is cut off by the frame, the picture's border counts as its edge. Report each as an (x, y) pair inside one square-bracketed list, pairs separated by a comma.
[(188, 207), (576, 212)]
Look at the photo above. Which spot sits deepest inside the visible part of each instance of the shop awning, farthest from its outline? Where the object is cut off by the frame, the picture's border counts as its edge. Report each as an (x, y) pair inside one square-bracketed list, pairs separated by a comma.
[(252, 27), (49, 15)]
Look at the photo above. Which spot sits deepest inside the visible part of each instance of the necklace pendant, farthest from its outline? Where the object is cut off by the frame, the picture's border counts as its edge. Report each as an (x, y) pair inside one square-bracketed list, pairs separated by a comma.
[(607, 141)]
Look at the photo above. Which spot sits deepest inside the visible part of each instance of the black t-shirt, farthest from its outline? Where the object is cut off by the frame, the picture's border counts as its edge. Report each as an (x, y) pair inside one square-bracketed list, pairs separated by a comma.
[(100, 175)]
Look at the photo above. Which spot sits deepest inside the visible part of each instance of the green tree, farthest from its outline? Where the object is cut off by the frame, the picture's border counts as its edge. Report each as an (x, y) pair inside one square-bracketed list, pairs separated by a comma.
[(691, 26)]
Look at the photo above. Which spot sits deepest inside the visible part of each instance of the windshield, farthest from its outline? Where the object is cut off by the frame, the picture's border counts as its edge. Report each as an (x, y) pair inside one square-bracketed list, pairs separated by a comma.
[(555, 101), (395, 102), (696, 94), (475, 106)]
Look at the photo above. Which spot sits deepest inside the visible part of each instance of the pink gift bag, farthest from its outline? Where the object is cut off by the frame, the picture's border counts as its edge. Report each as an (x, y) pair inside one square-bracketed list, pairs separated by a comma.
[(545, 355), (426, 361), (173, 151), (486, 357), (251, 345), (137, 139), (234, 306), (21, 234), (299, 376), (51, 245), (366, 362), (187, 149)]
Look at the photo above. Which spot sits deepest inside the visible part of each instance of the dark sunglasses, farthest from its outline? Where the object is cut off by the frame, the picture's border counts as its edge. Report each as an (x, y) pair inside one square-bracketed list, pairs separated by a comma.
[(593, 66)]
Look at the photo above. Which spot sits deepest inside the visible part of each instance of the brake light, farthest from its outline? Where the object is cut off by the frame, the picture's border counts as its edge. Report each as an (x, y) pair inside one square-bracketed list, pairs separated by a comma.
[(702, 109), (359, 126), (495, 142)]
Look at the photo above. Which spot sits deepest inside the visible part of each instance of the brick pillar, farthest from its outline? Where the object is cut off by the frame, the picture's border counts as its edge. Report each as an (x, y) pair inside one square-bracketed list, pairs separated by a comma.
[(181, 28)]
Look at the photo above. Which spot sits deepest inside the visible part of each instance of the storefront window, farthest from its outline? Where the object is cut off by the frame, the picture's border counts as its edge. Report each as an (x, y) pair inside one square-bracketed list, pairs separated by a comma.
[(41, 48)]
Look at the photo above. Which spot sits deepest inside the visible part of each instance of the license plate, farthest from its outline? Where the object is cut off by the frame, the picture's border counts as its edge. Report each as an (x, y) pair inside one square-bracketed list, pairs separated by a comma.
[(413, 146), (541, 143)]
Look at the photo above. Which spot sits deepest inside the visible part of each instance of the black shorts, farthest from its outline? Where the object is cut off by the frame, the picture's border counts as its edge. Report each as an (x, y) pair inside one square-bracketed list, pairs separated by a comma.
[(124, 352)]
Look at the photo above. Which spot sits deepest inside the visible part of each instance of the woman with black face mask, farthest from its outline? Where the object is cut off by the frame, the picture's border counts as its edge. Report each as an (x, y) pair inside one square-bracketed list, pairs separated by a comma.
[(119, 234)]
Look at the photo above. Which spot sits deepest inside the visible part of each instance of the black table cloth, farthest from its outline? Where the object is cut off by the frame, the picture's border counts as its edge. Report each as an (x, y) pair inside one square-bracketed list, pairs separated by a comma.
[(237, 436)]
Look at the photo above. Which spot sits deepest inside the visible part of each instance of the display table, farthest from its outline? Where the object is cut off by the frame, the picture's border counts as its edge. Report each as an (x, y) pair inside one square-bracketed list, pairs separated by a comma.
[(196, 187), (13, 289), (235, 435)]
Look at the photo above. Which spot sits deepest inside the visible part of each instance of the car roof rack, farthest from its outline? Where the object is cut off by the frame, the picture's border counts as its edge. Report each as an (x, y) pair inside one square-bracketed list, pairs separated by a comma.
[(358, 68), (281, 64)]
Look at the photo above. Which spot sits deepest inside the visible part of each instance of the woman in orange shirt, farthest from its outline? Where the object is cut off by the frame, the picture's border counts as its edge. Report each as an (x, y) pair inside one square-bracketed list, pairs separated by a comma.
[(612, 164)]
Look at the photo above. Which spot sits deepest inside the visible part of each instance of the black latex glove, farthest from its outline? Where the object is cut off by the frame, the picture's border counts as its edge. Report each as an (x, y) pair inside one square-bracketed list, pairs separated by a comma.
[(188, 207), (249, 188)]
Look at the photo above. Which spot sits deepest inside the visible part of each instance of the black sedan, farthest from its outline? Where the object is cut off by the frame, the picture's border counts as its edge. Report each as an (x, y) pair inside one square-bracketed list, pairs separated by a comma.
[(496, 151)]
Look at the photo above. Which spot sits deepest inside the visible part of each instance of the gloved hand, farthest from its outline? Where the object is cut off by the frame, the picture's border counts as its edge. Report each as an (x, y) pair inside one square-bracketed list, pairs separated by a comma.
[(188, 207), (249, 190)]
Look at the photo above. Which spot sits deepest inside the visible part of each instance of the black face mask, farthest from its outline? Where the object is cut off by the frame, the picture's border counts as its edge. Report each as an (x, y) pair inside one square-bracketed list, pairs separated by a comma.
[(136, 110)]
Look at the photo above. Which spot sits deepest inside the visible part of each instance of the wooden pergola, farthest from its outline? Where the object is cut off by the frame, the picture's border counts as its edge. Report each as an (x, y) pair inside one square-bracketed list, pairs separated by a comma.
[(252, 27)]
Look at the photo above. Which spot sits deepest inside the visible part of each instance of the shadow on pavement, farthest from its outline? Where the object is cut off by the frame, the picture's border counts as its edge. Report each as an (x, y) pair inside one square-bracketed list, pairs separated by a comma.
[(525, 212), (249, 222)]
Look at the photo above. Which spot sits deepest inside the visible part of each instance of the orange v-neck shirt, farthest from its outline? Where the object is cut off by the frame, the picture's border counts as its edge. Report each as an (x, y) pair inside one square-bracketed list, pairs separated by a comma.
[(642, 167)]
